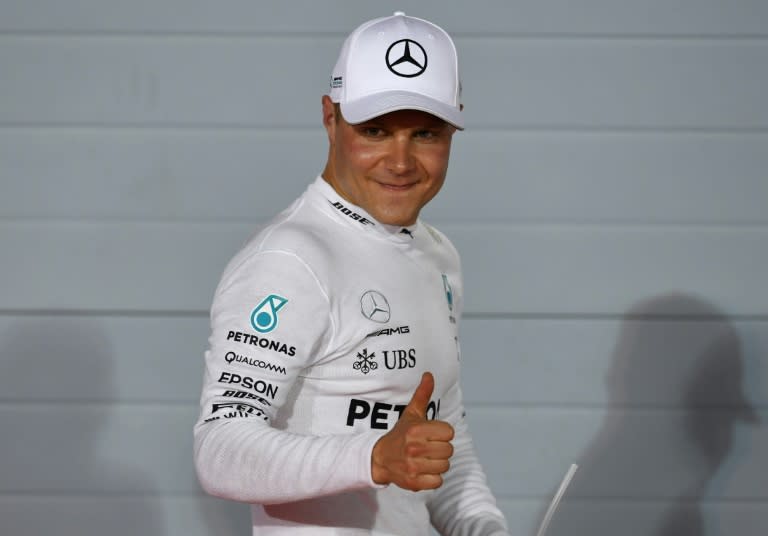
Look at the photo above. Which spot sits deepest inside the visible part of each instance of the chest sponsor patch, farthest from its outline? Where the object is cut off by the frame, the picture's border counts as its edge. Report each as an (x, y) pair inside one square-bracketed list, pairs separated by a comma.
[(389, 331), (256, 385), (397, 359), (382, 415), (374, 306), (351, 214), (264, 316), (232, 357)]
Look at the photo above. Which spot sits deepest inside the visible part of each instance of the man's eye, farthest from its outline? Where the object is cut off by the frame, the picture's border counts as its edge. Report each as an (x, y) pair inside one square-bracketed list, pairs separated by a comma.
[(425, 134), (373, 132)]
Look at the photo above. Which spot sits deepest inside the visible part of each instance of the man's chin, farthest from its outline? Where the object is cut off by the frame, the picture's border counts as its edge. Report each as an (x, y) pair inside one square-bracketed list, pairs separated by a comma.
[(396, 220)]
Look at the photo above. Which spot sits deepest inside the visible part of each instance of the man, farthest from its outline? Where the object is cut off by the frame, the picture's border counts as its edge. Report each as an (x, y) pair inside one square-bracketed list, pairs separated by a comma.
[(331, 399)]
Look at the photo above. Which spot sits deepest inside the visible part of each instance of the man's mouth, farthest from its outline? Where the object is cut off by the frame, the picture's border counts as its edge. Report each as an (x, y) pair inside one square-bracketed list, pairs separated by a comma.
[(397, 187)]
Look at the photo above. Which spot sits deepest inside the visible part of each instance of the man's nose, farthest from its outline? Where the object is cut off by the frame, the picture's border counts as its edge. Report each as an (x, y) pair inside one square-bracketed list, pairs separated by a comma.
[(400, 159)]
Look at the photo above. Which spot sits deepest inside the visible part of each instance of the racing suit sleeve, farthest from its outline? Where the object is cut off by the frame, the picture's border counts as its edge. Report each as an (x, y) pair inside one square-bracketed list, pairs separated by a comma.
[(464, 505), (270, 319)]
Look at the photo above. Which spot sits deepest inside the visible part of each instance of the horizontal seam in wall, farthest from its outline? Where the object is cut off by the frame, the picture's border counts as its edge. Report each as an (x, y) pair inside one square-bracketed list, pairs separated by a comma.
[(273, 129), (22, 402), (337, 36)]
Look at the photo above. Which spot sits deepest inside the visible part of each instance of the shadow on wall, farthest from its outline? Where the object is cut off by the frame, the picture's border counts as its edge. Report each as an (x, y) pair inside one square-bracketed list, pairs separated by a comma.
[(222, 517), (675, 395), (72, 462), (58, 473)]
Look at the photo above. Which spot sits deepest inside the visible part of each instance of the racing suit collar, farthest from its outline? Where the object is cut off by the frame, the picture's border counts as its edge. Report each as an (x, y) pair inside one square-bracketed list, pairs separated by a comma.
[(356, 217)]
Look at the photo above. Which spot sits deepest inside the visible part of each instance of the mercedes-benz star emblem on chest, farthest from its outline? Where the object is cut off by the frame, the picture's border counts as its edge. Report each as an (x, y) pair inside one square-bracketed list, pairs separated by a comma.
[(374, 306), (406, 58)]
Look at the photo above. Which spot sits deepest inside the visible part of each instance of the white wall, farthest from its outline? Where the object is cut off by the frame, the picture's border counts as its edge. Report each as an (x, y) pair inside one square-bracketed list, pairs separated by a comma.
[(609, 198)]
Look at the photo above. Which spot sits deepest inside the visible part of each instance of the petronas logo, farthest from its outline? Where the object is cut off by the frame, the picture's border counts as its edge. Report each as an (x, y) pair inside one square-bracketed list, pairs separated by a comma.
[(264, 317)]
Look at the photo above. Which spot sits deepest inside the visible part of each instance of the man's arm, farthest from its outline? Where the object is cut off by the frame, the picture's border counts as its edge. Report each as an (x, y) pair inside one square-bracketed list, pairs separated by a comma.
[(251, 368), (250, 462), (464, 505)]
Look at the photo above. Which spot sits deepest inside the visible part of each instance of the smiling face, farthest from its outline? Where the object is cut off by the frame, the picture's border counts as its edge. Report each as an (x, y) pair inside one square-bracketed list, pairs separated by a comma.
[(392, 165)]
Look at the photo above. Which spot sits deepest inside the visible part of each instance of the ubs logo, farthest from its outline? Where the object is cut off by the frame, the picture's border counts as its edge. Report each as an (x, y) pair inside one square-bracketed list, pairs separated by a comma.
[(400, 359), (365, 362), (393, 360), (406, 58)]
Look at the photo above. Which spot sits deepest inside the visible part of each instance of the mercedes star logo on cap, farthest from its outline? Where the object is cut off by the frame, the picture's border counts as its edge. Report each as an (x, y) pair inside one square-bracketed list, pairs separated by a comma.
[(406, 58)]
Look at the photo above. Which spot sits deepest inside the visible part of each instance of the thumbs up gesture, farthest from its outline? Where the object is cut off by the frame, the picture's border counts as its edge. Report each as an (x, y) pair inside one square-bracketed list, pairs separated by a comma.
[(415, 452)]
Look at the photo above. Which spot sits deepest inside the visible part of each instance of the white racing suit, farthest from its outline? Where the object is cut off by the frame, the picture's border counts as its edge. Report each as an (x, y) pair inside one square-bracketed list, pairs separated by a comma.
[(322, 326)]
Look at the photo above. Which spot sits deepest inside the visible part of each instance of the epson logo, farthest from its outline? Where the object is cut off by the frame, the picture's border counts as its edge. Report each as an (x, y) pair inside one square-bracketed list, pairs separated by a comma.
[(382, 416), (232, 357), (259, 386), (354, 215), (389, 331), (261, 342)]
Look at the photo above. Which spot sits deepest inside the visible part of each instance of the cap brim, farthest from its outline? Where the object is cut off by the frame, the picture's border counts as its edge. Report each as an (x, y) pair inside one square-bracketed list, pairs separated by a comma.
[(382, 103)]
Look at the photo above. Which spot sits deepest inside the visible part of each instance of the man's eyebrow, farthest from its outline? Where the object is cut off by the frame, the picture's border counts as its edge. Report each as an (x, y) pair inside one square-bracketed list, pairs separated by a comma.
[(434, 126)]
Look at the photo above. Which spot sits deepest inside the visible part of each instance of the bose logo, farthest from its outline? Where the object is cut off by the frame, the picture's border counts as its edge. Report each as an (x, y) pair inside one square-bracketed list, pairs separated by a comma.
[(354, 215)]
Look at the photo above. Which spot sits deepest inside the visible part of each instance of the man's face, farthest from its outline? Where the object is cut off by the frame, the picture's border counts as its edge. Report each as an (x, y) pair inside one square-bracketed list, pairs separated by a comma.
[(392, 165)]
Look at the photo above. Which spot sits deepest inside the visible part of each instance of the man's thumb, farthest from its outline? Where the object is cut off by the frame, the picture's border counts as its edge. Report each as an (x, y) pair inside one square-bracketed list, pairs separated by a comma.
[(420, 399)]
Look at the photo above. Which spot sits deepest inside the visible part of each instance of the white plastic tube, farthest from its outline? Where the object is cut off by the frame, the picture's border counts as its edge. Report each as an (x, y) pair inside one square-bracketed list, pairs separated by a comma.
[(556, 499)]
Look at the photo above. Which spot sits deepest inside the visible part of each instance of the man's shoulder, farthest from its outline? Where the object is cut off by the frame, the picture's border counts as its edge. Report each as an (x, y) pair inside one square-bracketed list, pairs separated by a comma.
[(297, 232), (440, 240), (435, 234), (303, 230)]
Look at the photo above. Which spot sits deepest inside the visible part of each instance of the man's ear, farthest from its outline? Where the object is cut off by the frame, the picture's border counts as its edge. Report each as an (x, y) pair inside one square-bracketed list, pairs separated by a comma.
[(329, 118)]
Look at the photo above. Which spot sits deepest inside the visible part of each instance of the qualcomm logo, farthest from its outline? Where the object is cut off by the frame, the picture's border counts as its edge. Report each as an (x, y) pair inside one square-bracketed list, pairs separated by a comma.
[(264, 316), (375, 306)]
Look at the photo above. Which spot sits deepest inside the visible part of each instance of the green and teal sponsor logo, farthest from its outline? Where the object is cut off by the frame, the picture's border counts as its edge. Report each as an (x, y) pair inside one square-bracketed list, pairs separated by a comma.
[(448, 292), (264, 316)]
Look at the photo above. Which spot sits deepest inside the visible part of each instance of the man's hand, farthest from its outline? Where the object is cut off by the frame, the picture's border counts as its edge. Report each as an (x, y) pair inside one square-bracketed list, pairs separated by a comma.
[(415, 452)]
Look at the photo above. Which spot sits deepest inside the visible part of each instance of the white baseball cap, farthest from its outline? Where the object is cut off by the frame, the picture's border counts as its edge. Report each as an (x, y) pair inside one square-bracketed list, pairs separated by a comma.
[(397, 63)]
